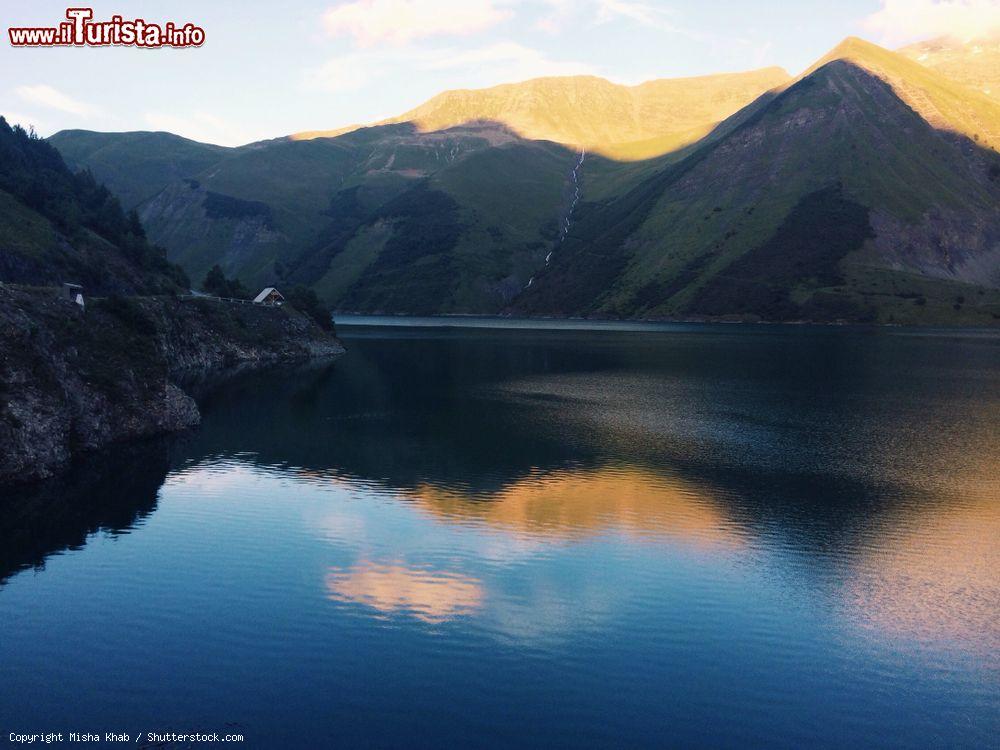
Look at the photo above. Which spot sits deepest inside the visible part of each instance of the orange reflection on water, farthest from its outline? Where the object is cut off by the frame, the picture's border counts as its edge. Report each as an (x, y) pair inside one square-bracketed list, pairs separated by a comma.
[(934, 575), (431, 596), (569, 504)]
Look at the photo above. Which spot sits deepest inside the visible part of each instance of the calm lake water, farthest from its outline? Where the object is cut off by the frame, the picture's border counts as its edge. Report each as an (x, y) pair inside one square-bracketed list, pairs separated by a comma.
[(659, 536)]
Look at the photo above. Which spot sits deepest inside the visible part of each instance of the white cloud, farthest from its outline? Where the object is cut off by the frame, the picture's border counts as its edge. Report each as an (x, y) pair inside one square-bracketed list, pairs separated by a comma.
[(371, 22), (901, 21), (199, 126), (659, 18), (46, 96), (339, 74), (558, 14), (503, 62), (510, 60), (609, 10)]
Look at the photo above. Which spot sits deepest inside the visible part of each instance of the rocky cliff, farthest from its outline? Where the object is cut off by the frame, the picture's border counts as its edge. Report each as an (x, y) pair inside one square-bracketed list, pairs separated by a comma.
[(73, 380)]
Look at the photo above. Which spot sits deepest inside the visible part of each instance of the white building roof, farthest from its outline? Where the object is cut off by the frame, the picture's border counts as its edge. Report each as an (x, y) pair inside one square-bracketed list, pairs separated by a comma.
[(267, 293)]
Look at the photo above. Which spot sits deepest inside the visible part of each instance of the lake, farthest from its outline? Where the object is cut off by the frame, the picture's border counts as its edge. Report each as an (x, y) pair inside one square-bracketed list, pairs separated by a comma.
[(504, 535)]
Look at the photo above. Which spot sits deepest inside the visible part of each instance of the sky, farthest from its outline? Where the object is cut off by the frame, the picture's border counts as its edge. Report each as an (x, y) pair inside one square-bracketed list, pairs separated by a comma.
[(268, 69)]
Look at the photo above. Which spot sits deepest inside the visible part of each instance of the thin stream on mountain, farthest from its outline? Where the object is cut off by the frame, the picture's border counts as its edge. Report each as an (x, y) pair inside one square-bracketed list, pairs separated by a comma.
[(577, 194)]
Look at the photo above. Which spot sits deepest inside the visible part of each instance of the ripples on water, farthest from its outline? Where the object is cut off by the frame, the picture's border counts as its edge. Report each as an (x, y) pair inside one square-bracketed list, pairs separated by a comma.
[(690, 537)]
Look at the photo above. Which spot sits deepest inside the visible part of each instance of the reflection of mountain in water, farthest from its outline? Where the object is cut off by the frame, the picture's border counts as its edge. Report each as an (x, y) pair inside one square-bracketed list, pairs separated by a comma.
[(108, 492), (814, 442), (869, 458), (573, 504), (787, 421)]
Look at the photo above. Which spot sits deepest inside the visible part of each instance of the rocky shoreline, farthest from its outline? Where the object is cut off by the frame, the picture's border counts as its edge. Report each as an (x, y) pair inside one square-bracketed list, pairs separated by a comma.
[(75, 380)]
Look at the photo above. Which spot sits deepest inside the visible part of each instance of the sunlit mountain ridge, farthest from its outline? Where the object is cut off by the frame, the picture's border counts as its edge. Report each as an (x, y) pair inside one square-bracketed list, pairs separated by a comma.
[(974, 63), (839, 196), (945, 102), (534, 198), (587, 112)]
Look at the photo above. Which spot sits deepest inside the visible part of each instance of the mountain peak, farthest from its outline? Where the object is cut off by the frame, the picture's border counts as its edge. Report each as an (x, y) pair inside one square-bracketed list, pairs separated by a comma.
[(852, 45), (858, 51), (945, 103)]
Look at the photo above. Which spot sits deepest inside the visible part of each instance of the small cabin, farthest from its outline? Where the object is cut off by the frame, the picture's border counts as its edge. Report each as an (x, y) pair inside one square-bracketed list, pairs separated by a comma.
[(269, 296), (74, 293)]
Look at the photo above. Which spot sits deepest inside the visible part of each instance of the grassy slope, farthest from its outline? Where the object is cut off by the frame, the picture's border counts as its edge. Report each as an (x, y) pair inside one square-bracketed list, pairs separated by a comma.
[(311, 212), (135, 166), (24, 232), (941, 101), (33, 251), (622, 122), (465, 236), (607, 179), (653, 249), (293, 181), (56, 226), (509, 194), (511, 197), (340, 213)]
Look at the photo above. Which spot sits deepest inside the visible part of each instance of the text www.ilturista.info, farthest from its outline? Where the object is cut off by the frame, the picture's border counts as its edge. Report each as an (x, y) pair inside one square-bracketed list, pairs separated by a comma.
[(80, 30)]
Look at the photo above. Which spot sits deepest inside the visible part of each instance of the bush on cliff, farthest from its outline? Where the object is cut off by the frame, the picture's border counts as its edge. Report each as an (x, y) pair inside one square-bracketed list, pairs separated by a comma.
[(304, 299), (130, 313), (218, 285)]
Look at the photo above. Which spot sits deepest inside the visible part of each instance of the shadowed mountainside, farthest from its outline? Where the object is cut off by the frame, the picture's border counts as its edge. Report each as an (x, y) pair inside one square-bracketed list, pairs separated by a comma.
[(57, 226), (454, 212), (77, 377), (341, 213), (153, 159), (835, 200)]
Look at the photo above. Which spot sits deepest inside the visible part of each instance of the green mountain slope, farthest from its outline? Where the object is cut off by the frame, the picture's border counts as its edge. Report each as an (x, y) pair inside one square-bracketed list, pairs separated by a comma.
[(135, 166), (56, 226), (835, 200), (76, 378), (944, 103), (324, 208), (344, 215), (865, 189)]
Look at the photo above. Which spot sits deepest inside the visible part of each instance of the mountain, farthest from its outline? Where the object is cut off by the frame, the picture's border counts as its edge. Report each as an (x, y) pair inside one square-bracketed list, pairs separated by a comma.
[(136, 165), (586, 112), (384, 217), (621, 122), (864, 189), (974, 63), (834, 200), (941, 101), (74, 377), (57, 226), (394, 217)]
